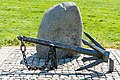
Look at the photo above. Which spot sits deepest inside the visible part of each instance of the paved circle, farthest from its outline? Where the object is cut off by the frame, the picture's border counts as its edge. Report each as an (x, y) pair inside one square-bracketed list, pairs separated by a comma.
[(12, 67)]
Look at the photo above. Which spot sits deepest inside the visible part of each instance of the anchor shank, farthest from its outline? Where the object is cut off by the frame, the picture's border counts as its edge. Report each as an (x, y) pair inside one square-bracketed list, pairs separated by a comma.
[(61, 46)]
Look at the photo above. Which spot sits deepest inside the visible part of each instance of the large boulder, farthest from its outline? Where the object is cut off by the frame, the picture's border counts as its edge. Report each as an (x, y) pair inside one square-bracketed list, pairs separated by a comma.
[(61, 23)]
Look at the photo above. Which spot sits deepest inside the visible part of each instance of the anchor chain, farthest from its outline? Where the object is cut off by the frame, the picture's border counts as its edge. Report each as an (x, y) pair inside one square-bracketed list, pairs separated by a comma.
[(50, 57)]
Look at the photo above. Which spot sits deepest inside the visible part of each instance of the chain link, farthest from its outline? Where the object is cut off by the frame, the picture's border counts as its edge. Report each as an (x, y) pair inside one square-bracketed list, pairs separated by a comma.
[(50, 57)]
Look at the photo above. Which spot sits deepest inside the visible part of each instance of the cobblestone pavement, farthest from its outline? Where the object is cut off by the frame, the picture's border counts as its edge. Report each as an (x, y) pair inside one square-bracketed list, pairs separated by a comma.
[(12, 67)]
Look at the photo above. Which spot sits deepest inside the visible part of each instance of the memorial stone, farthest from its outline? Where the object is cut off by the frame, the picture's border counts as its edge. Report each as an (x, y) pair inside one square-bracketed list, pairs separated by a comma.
[(61, 23)]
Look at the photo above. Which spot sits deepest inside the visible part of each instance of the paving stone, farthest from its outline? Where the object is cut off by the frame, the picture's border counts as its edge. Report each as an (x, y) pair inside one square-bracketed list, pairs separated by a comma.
[(56, 76), (95, 78), (116, 78), (49, 75), (102, 78), (74, 78)]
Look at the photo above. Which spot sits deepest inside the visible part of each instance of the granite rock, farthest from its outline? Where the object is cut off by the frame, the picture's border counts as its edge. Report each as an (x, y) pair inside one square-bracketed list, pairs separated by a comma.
[(61, 23)]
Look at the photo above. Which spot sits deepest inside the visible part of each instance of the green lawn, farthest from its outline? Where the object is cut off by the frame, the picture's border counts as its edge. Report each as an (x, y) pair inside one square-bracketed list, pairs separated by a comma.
[(101, 19)]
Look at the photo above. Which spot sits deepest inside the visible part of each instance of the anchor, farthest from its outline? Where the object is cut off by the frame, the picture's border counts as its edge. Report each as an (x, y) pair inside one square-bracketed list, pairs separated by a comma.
[(98, 53)]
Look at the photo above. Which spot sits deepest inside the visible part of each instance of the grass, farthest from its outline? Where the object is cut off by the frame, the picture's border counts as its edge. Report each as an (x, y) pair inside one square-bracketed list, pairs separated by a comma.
[(101, 19)]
